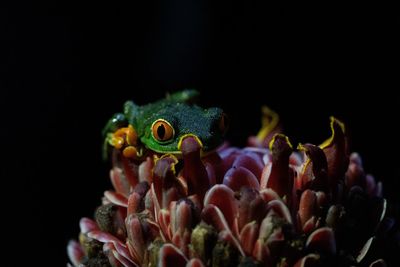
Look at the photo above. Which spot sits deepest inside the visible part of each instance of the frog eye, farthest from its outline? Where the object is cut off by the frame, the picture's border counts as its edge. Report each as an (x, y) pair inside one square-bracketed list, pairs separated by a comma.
[(162, 130), (223, 123)]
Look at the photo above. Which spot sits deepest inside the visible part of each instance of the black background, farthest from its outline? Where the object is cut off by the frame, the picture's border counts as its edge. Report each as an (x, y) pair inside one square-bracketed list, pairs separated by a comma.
[(67, 66)]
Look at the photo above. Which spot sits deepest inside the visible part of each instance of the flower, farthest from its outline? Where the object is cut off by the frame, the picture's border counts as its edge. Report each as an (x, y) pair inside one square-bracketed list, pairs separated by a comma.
[(255, 206)]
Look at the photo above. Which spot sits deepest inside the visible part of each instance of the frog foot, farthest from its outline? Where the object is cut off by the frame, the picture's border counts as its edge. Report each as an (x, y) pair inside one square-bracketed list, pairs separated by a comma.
[(126, 140)]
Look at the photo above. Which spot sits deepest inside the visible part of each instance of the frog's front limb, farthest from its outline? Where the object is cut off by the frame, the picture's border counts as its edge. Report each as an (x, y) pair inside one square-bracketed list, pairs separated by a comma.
[(126, 140)]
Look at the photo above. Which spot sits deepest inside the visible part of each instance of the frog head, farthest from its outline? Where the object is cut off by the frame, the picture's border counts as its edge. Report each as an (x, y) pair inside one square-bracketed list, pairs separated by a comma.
[(162, 128), (162, 125)]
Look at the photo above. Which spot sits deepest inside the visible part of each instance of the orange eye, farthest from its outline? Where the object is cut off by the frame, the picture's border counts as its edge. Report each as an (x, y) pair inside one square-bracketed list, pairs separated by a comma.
[(223, 123), (162, 130)]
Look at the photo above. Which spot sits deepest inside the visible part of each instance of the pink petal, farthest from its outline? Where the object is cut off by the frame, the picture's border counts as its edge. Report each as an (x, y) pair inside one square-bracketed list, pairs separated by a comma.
[(116, 198), (307, 206), (268, 194), (124, 261), (261, 252), (335, 149), (121, 185), (281, 209), (170, 255), (164, 222), (87, 225), (135, 238), (251, 207), (228, 237), (164, 179), (146, 170), (109, 251), (75, 252), (314, 173), (251, 162), (248, 237), (212, 215), (214, 161), (134, 202), (239, 177), (323, 240), (193, 168), (311, 260), (129, 170), (108, 238), (224, 198), (279, 178)]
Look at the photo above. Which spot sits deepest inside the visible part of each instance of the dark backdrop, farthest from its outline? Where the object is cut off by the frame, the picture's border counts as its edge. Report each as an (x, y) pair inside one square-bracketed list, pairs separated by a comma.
[(66, 66)]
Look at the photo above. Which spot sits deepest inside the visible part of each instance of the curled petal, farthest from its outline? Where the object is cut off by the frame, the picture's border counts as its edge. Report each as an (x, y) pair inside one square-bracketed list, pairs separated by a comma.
[(251, 207), (116, 198), (310, 260), (109, 251), (137, 197), (224, 198), (86, 225), (227, 237), (322, 240), (214, 161), (75, 252), (307, 206), (268, 194), (335, 149), (193, 169), (167, 187), (364, 251), (239, 177), (146, 170), (355, 173), (212, 215), (164, 222), (251, 162), (182, 219), (128, 167), (281, 209), (248, 237), (314, 173), (261, 251), (134, 202), (170, 255), (120, 184), (136, 240), (279, 177), (124, 261), (108, 238), (378, 263)]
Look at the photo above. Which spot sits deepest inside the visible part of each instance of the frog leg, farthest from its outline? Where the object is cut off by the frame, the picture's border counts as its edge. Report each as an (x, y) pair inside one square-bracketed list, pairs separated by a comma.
[(126, 140)]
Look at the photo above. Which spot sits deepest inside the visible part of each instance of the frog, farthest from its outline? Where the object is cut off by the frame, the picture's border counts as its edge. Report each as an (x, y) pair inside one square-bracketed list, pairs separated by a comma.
[(160, 127)]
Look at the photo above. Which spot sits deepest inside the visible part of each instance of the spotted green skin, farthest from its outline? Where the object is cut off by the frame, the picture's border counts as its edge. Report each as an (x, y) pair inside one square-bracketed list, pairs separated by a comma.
[(180, 111)]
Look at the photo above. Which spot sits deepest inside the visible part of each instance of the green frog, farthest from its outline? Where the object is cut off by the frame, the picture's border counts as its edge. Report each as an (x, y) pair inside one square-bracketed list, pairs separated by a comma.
[(161, 126)]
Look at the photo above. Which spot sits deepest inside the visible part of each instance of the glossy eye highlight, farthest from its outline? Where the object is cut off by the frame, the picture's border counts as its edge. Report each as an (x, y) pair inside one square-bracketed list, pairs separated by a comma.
[(162, 130)]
